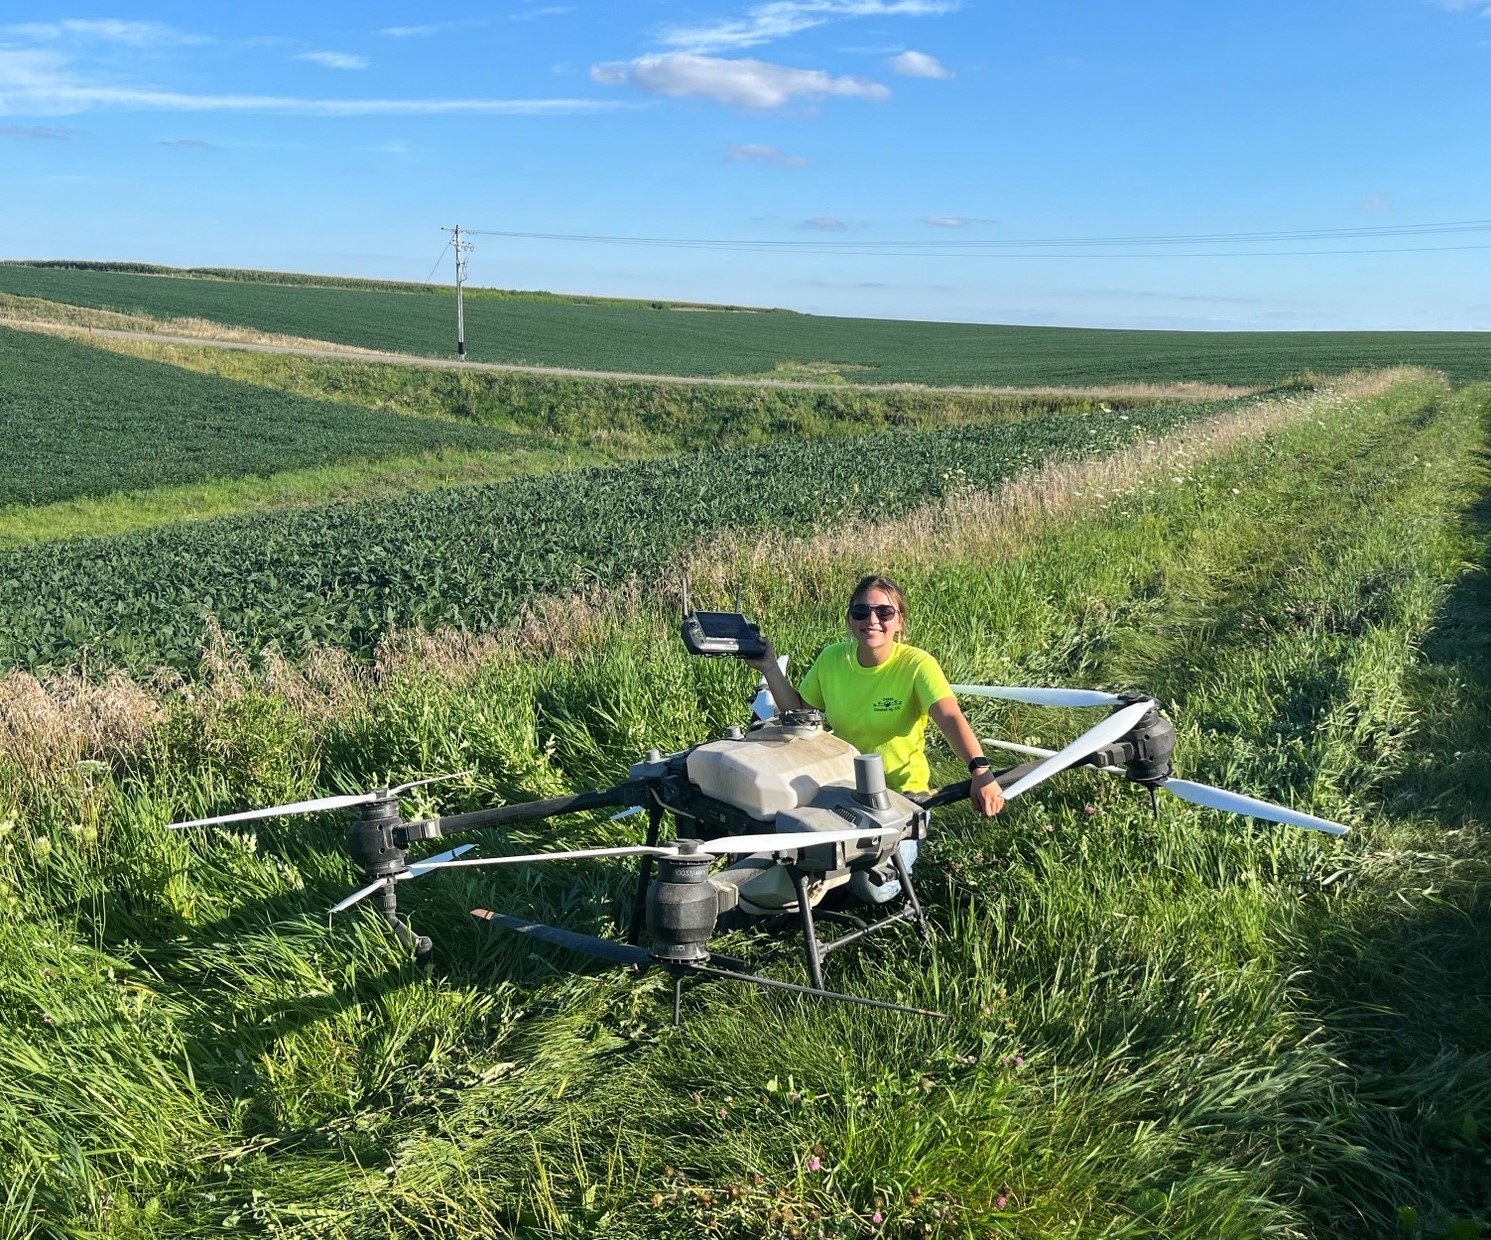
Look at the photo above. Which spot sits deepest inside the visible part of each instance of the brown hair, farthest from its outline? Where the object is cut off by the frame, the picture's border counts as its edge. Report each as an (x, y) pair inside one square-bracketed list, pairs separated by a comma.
[(887, 586)]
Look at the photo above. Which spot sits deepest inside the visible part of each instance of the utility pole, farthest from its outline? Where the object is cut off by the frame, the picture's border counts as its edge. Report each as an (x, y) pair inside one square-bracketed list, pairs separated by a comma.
[(461, 248)]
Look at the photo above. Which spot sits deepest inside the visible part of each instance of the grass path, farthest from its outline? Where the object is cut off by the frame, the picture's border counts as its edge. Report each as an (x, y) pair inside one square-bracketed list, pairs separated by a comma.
[(1183, 1027)]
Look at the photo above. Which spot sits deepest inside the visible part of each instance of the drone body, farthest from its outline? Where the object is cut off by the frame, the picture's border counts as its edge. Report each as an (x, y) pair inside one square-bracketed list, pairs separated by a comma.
[(800, 808)]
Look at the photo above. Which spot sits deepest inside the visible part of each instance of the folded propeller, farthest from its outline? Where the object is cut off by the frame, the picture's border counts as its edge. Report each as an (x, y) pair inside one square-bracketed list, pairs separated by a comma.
[(1114, 729)]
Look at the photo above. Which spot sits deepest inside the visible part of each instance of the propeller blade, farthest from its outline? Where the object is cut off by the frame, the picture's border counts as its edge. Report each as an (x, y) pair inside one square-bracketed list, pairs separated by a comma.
[(576, 854), (1034, 751), (629, 812), (362, 893), (433, 779), (1042, 697), (603, 949), (739, 844), (1236, 803), (417, 870), (425, 864), (1095, 738), (786, 841), (276, 811), (318, 805)]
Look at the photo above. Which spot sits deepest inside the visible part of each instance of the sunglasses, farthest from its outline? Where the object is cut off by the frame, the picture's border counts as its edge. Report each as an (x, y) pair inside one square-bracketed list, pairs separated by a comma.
[(883, 612)]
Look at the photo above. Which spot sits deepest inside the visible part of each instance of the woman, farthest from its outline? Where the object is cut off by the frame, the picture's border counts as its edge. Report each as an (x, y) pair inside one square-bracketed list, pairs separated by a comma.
[(877, 692)]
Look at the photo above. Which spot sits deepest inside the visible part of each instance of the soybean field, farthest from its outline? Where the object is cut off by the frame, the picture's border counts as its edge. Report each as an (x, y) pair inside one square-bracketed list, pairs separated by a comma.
[(470, 557), (82, 422), (592, 335)]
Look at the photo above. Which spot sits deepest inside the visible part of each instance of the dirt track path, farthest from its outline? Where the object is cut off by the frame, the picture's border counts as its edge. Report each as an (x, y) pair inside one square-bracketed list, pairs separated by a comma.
[(332, 352)]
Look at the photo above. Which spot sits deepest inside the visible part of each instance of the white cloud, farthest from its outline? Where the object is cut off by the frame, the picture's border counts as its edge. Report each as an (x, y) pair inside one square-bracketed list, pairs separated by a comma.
[(107, 30), (1377, 202), (189, 144), (824, 223), (755, 153), (947, 221), (35, 83), (335, 60), (413, 32), (781, 18), (739, 83), (44, 133), (918, 64)]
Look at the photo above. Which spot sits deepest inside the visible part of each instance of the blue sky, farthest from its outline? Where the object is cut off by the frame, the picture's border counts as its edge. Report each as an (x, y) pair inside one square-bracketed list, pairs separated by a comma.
[(933, 159)]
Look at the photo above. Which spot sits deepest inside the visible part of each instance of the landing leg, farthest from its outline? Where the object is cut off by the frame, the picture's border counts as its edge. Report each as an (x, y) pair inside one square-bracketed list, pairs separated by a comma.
[(809, 935), (421, 945), (904, 875), (644, 878)]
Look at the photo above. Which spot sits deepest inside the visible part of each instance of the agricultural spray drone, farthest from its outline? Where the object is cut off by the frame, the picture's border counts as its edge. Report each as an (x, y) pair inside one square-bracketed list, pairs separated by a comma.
[(799, 809)]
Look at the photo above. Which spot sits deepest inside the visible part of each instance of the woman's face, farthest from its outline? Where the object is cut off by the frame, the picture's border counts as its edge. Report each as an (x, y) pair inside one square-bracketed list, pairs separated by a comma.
[(874, 633)]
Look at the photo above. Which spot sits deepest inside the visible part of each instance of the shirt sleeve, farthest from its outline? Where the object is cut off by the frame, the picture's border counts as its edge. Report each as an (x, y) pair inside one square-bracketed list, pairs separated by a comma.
[(930, 684), (811, 691)]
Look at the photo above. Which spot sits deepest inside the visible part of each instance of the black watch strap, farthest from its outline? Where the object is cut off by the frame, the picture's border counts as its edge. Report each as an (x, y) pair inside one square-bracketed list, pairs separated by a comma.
[(975, 765)]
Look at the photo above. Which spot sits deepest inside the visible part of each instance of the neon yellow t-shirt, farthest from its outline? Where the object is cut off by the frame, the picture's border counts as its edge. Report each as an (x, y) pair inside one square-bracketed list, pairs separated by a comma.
[(880, 709)]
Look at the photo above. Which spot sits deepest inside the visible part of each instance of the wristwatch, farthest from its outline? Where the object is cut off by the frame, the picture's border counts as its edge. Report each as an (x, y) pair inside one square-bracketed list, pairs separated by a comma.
[(975, 765)]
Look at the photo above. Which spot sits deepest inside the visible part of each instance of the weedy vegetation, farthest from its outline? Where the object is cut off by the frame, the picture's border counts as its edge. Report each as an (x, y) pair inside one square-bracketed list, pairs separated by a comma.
[(1190, 1026)]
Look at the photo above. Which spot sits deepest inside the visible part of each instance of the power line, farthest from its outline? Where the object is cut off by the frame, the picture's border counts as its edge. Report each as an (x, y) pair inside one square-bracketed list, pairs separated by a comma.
[(431, 276), (1047, 247)]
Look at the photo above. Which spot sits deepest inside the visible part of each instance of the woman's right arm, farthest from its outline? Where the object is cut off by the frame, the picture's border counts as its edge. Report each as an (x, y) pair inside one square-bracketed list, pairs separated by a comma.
[(785, 696)]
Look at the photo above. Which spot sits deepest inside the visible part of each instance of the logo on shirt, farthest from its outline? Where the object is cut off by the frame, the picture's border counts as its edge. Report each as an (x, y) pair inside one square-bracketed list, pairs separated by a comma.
[(887, 704)]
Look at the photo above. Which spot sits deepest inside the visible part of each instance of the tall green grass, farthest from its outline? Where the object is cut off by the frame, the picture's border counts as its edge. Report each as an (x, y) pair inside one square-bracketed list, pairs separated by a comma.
[(1190, 1026)]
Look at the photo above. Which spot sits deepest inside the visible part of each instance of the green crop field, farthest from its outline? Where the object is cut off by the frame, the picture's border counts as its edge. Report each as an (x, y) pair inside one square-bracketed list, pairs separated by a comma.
[(82, 422), (1188, 1026), (627, 417), (473, 556), (637, 338)]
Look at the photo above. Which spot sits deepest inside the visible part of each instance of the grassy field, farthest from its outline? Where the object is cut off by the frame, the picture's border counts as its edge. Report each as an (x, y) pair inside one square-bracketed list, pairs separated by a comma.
[(637, 338), (1185, 1027), (84, 423)]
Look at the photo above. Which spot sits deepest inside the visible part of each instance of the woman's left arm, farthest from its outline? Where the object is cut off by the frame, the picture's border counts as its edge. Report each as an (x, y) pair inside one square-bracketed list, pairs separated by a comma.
[(984, 790)]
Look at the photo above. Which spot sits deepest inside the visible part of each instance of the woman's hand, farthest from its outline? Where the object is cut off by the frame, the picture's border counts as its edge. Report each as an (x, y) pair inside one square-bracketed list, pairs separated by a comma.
[(986, 794), (766, 660)]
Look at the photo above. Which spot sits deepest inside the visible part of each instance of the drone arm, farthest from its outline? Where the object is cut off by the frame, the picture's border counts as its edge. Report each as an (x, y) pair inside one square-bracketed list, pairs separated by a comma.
[(632, 792), (954, 793)]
